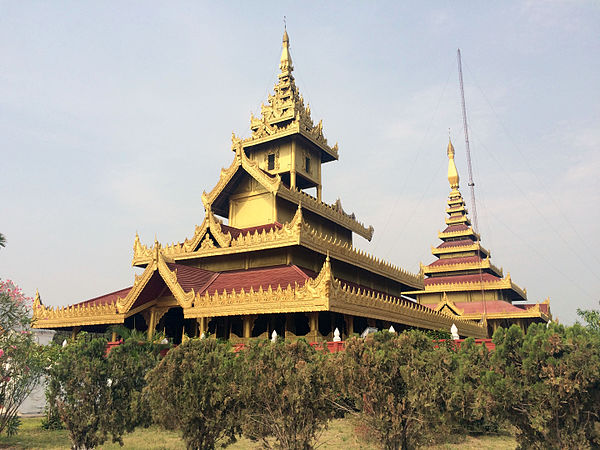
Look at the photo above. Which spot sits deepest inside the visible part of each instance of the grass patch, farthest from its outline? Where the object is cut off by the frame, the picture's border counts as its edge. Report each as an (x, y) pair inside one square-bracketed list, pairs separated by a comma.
[(342, 434)]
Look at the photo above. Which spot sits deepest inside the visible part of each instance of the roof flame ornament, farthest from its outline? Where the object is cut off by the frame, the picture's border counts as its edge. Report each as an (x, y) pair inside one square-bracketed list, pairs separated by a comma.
[(285, 64), (453, 177)]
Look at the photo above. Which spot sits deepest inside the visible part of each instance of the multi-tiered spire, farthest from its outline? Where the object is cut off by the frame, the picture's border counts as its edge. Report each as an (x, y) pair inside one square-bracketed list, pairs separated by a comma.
[(285, 113), (463, 281), (463, 270)]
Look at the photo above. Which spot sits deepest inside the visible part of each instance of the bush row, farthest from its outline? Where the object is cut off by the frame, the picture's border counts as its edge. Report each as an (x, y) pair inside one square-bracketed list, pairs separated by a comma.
[(407, 389)]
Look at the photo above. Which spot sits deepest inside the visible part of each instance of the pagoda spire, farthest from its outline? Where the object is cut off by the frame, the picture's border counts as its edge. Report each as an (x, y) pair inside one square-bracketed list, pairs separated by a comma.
[(453, 177), (285, 64)]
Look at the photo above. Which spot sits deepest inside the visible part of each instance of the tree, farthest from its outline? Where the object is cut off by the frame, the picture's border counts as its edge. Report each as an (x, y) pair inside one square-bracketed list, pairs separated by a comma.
[(194, 390), (547, 382), (470, 404), (591, 317), (399, 384), (2, 240), (98, 396), (21, 359), (287, 394)]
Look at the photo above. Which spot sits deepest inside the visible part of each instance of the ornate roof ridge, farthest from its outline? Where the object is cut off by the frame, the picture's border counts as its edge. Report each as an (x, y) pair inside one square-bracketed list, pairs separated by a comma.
[(285, 113), (475, 246), (45, 316), (502, 283), (484, 263), (343, 250), (328, 211), (295, 232)]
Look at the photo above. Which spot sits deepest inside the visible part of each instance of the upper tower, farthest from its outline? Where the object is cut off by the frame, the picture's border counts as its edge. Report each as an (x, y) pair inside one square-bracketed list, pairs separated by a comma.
[(463, 271), (463, 281), (284, 140)]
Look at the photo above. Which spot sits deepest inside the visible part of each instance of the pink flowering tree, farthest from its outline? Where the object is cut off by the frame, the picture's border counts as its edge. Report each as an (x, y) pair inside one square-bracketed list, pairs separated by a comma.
[(20, 357)]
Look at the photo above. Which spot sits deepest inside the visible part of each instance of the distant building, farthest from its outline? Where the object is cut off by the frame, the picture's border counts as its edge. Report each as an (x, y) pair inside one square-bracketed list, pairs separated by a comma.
[(36, 402), (464, 283), (269, 256)]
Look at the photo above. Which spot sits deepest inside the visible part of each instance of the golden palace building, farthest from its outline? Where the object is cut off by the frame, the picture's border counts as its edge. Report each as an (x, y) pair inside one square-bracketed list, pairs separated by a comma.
[(463, 281), (268, 256)]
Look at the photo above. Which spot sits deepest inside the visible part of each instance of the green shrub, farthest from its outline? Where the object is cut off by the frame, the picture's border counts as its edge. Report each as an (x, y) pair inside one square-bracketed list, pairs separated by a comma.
[(399, 384), (548, 385), (96, 396), (470, 405), (194, 389), (287, 394)]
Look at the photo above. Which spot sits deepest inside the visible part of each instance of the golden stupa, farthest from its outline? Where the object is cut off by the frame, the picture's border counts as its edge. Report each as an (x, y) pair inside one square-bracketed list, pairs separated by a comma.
[(463, 281)]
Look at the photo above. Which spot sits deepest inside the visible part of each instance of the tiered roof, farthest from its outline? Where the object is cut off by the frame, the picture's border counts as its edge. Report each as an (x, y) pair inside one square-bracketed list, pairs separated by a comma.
[(464, 265), (176, 275)]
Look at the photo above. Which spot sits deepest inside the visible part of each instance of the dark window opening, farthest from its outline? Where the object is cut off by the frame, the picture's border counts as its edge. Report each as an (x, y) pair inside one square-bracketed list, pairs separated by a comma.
[(307, 165), (271, 162)]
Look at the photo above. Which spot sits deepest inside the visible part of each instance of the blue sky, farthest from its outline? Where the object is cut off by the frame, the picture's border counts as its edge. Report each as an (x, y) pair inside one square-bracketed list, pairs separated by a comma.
[(115, 116)]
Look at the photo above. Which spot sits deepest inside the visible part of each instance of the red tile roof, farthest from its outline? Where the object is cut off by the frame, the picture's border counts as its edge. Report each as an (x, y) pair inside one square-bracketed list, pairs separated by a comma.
[(153, 289), (460, 243), (544, 307), (458, 260), (458, 227), (460, 279), (256, 278), (192, 277), (491, 307), (106, 298)]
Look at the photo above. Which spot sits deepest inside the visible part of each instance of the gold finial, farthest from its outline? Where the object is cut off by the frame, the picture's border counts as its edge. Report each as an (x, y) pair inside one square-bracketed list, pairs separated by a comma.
[(37, 302), (452, 171), (286, 59)]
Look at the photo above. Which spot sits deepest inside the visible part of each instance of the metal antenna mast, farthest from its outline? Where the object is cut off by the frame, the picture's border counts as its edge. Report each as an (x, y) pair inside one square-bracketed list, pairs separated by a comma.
[(464, 115)]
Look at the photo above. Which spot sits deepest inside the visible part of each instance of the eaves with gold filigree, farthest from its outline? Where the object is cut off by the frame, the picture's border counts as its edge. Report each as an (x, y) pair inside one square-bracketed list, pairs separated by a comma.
[(534, 312), (463, 266), (325, 293), (504, 283), (116, 311), (296, 232), (76, 315)]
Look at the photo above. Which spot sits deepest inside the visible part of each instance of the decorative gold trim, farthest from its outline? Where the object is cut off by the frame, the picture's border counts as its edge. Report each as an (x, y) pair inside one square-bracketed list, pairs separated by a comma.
[(328, 211), (460, 249), (451, 234), (170, 277), (450, 304), (505, 283), (484, 264), (75, 315), (140, 281), (322, 294)]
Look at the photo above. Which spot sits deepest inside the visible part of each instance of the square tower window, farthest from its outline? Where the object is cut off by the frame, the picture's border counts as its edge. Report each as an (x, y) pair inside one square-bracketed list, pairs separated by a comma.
[(271, 161)]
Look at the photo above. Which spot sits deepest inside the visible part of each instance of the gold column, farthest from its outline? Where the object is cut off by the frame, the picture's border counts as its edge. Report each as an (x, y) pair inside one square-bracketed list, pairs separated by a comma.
[(114, 336), (319, 189), (202, 325), (74, 332), (287, 328), (247, 329), (349, 325), (293, 168), (152, 323), (313, 321)]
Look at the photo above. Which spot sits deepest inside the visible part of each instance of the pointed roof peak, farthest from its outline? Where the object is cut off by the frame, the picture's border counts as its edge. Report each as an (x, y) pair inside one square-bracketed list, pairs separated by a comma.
[(285, 65), (453, 178), (450, 148)]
